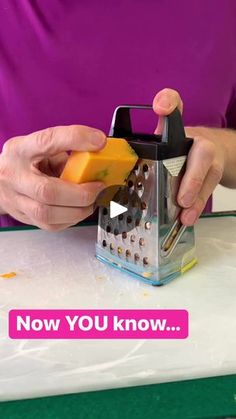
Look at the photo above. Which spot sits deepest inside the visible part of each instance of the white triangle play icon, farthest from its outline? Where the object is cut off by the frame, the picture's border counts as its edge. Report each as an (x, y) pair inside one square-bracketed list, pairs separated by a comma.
[(116, 209)]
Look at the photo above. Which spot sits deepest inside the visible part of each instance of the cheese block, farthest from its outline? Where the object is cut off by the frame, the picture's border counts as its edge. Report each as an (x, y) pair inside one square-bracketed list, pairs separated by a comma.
[(110, 165)]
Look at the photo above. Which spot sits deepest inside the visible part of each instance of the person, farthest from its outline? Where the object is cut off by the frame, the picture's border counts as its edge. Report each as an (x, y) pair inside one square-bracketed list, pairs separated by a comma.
[(65, 66)]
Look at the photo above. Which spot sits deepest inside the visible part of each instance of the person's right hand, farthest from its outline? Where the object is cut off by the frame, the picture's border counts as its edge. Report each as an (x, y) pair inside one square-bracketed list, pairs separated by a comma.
[(205, 164), (31, 195)]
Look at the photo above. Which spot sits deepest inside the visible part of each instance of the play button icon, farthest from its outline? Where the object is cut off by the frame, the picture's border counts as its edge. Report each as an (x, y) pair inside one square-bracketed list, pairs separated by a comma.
[(120, 209), (116, 209)]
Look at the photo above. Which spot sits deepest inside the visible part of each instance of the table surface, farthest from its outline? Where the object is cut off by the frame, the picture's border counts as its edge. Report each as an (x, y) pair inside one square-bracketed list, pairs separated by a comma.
[(210, 397)]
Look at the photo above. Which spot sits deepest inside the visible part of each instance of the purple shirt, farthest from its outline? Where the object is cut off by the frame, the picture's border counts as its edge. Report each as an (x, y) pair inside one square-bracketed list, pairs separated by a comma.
[(72, 62)]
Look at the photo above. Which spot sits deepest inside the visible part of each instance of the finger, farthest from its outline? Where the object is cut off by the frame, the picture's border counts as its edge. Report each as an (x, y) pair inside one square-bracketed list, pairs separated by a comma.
[(198, 164), (189, 216), (19, 216), (8, 204), (45, 216), (164, 103), (54, 140), (42, 214), (55, 227), (54, 191)]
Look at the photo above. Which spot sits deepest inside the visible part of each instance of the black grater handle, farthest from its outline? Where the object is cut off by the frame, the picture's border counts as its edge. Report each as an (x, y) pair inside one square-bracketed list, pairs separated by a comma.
[(121, 125), (173, 131), (171, 143)]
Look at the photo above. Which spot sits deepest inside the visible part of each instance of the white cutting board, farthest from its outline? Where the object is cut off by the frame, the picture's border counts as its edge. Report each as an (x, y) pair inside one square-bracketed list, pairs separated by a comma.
[(59, 270)]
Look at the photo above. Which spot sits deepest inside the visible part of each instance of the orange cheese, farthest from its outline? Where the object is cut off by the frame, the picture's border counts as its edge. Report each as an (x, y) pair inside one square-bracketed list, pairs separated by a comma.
[(110, 165), (8, 275)]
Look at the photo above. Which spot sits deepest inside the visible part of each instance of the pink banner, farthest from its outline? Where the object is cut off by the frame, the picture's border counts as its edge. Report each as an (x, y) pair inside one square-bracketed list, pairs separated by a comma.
[(98, 324)]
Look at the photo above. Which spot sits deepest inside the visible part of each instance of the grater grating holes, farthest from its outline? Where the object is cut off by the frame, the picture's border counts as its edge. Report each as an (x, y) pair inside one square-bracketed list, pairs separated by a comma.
[(108, 229), (128, 254), (141, 242), (119, 251), (148, 225), (145, 261), (112, 247), (130, 184), (140, 188), (145, 170), (132, 238), (136, 169)]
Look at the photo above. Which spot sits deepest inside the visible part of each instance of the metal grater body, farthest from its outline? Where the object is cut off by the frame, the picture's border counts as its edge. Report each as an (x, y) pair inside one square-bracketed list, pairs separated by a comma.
[(159, 247), (139, 251)]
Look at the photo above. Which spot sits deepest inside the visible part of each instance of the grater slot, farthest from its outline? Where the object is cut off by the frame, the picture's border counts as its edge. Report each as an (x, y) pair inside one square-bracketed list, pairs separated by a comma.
[(172, 238)]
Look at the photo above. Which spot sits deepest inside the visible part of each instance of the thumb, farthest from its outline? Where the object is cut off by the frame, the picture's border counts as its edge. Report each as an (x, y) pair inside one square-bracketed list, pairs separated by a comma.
[(164, 103)]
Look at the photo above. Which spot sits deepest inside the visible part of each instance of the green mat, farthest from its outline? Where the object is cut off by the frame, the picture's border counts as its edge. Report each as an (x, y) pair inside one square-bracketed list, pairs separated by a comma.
[(204, 398)]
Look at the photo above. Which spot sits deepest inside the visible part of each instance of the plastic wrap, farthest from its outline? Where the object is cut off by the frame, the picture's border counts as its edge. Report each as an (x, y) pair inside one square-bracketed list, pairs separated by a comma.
[(59, 270)]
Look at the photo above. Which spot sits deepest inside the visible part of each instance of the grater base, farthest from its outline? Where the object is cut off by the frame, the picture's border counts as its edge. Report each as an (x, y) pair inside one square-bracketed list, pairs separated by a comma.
[(151, 276)]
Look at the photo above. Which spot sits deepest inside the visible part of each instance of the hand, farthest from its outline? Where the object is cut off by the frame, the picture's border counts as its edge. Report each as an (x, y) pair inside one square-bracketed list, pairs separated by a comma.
[(205, 163), (29, 190)]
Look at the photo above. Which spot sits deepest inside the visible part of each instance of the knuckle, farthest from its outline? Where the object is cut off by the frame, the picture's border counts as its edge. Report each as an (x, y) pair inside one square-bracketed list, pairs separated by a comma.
[(45, 191), (207, 147), (195, 183), (45, 138), (73, 134), (7, 146), (201, 203), (4, 197), (41, 213), (86, 197), (216, 171), (5, 171), (73, 130), (10, 148)]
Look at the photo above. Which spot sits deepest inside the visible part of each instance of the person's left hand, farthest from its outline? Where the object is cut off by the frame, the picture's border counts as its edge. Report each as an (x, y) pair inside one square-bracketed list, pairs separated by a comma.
[(205, 163)]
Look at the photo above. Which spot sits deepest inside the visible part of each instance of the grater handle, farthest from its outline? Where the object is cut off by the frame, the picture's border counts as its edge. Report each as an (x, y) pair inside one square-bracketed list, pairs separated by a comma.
[(173, 131), (121, 125)]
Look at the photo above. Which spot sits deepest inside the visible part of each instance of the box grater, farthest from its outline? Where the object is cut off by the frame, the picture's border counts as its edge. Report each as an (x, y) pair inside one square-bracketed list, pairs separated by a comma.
[(158, 247)]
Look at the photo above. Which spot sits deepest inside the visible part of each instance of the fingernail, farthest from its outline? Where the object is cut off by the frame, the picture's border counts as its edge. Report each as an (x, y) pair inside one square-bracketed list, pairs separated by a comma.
[(188, 199), (190, 217), (97, 138), (164, 103)]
